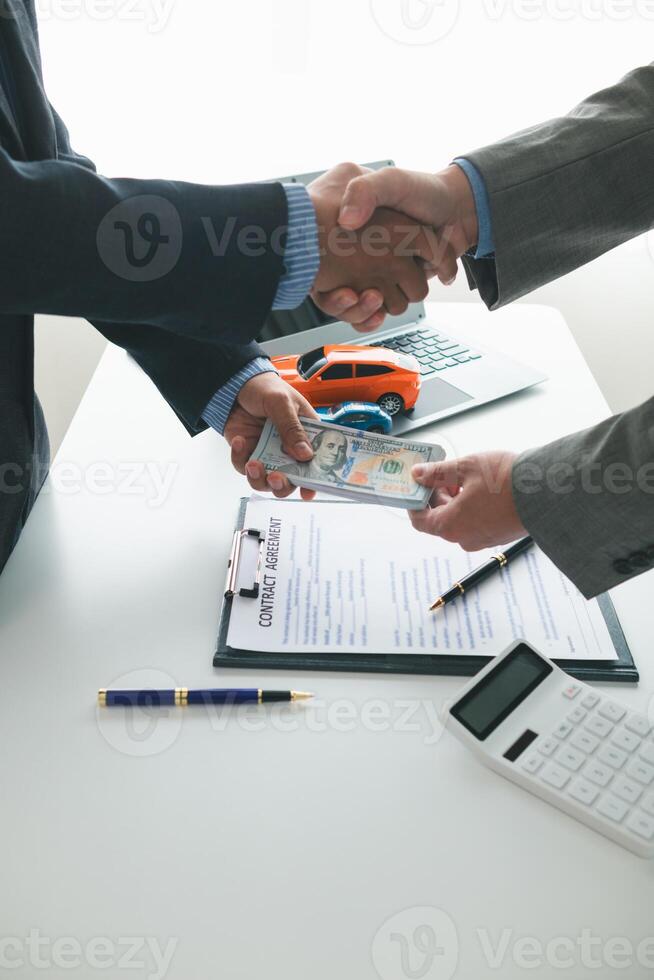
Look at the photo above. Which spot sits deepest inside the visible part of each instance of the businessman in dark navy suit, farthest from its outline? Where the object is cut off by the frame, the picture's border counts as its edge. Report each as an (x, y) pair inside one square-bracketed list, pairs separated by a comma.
[(180, 275)]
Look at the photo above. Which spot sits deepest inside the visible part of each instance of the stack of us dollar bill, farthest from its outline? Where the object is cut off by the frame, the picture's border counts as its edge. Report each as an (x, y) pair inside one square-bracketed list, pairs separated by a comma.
[(353, 464)]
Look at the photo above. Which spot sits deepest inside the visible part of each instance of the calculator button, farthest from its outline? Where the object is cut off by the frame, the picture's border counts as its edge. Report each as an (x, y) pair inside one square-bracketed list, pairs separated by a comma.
[(547, 746), (563, 730), (533, 763), (626, 789), (641, 824), (611, 807), (647, 804), (554, 775), (577, 715), (611, 710), (598, 773), (641, 771), (598, 726), (646, 752), (570, 758), (590, 700), (612, 757), (638, 724), (571, 691), (625, 740), (584, 741), (583, 791)]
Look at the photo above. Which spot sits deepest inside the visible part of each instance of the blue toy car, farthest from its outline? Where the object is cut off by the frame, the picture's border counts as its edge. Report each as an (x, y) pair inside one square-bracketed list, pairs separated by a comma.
[(358, 415)]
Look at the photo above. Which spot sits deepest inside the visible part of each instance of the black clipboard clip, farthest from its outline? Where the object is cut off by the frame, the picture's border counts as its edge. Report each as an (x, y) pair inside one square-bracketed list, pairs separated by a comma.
[(233, 565)]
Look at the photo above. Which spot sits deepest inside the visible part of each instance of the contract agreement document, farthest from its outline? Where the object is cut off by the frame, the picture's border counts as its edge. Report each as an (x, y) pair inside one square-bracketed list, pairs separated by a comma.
[(340, 577)]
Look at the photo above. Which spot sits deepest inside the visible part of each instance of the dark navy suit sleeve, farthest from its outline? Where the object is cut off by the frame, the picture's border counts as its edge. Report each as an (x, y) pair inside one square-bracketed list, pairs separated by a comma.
[(198, 261), (187, 371)]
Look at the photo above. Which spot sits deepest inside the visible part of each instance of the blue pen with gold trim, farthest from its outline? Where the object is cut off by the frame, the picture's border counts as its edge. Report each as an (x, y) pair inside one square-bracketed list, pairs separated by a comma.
[(183, 696)]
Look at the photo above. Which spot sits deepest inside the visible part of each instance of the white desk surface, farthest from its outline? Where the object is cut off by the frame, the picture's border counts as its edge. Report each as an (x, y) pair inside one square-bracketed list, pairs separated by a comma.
[(270, 853)]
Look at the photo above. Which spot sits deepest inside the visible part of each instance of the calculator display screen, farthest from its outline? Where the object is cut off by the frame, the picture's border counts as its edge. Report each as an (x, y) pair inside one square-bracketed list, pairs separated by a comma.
[(493, 699)]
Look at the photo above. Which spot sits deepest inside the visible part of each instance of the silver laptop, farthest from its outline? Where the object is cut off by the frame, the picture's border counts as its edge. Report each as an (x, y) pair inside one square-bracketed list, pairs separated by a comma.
[(455, 376)]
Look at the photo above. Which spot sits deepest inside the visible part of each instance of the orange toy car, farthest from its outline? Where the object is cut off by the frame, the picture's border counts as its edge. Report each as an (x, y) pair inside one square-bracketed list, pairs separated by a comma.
[(342, 372)]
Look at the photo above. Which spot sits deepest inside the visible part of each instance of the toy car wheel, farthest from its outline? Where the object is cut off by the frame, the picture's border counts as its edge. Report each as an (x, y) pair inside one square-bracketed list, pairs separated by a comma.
[(391, 403), (376, 429)]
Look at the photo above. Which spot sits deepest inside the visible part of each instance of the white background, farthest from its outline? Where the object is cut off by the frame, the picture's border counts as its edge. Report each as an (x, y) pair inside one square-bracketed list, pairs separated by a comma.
[(229, 91)]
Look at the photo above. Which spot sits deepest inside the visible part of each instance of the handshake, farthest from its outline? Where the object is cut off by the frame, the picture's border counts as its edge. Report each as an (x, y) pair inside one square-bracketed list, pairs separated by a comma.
[(384, 234)]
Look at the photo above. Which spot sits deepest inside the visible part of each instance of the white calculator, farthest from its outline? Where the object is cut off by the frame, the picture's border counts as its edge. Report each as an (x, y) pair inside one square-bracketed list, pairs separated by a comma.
[(584, 753)]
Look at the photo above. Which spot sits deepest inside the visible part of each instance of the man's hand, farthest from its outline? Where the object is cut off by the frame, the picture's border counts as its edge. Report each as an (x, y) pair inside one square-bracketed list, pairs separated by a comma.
[(444, 201), (263, 397), (387, 257), (365, 312), (472, 502)]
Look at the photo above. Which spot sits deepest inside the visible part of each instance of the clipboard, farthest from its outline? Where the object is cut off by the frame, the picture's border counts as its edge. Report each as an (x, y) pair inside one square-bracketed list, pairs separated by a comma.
[(460, 665)]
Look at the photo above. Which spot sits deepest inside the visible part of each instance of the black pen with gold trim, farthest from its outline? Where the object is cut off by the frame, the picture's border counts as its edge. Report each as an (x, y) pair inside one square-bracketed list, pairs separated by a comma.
[(183, 696), (480, 574)]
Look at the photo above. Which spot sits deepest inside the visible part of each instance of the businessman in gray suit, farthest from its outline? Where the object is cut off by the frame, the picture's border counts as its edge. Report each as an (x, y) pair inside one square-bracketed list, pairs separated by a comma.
[(521, 213)]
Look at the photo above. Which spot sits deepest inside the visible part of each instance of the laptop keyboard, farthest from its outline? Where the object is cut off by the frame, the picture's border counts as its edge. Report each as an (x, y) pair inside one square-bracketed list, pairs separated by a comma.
[(434, 351)]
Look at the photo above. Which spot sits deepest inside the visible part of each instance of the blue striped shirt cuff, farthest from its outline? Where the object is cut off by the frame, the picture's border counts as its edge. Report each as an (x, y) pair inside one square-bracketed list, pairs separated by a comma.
[(485, 244), (302, 254), (217, 411)]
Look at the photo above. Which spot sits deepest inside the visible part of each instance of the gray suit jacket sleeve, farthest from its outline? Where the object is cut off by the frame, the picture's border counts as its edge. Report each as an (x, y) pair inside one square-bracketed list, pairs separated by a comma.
[(560, 195), (588, 500), (566, 191)]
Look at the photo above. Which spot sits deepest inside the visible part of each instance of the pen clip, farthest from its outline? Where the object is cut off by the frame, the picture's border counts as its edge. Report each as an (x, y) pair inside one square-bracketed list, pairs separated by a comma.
[(233, 564)]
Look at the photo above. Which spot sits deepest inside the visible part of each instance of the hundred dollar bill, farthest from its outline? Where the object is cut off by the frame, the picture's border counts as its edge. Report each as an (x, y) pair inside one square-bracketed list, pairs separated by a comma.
[(353, 464)]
